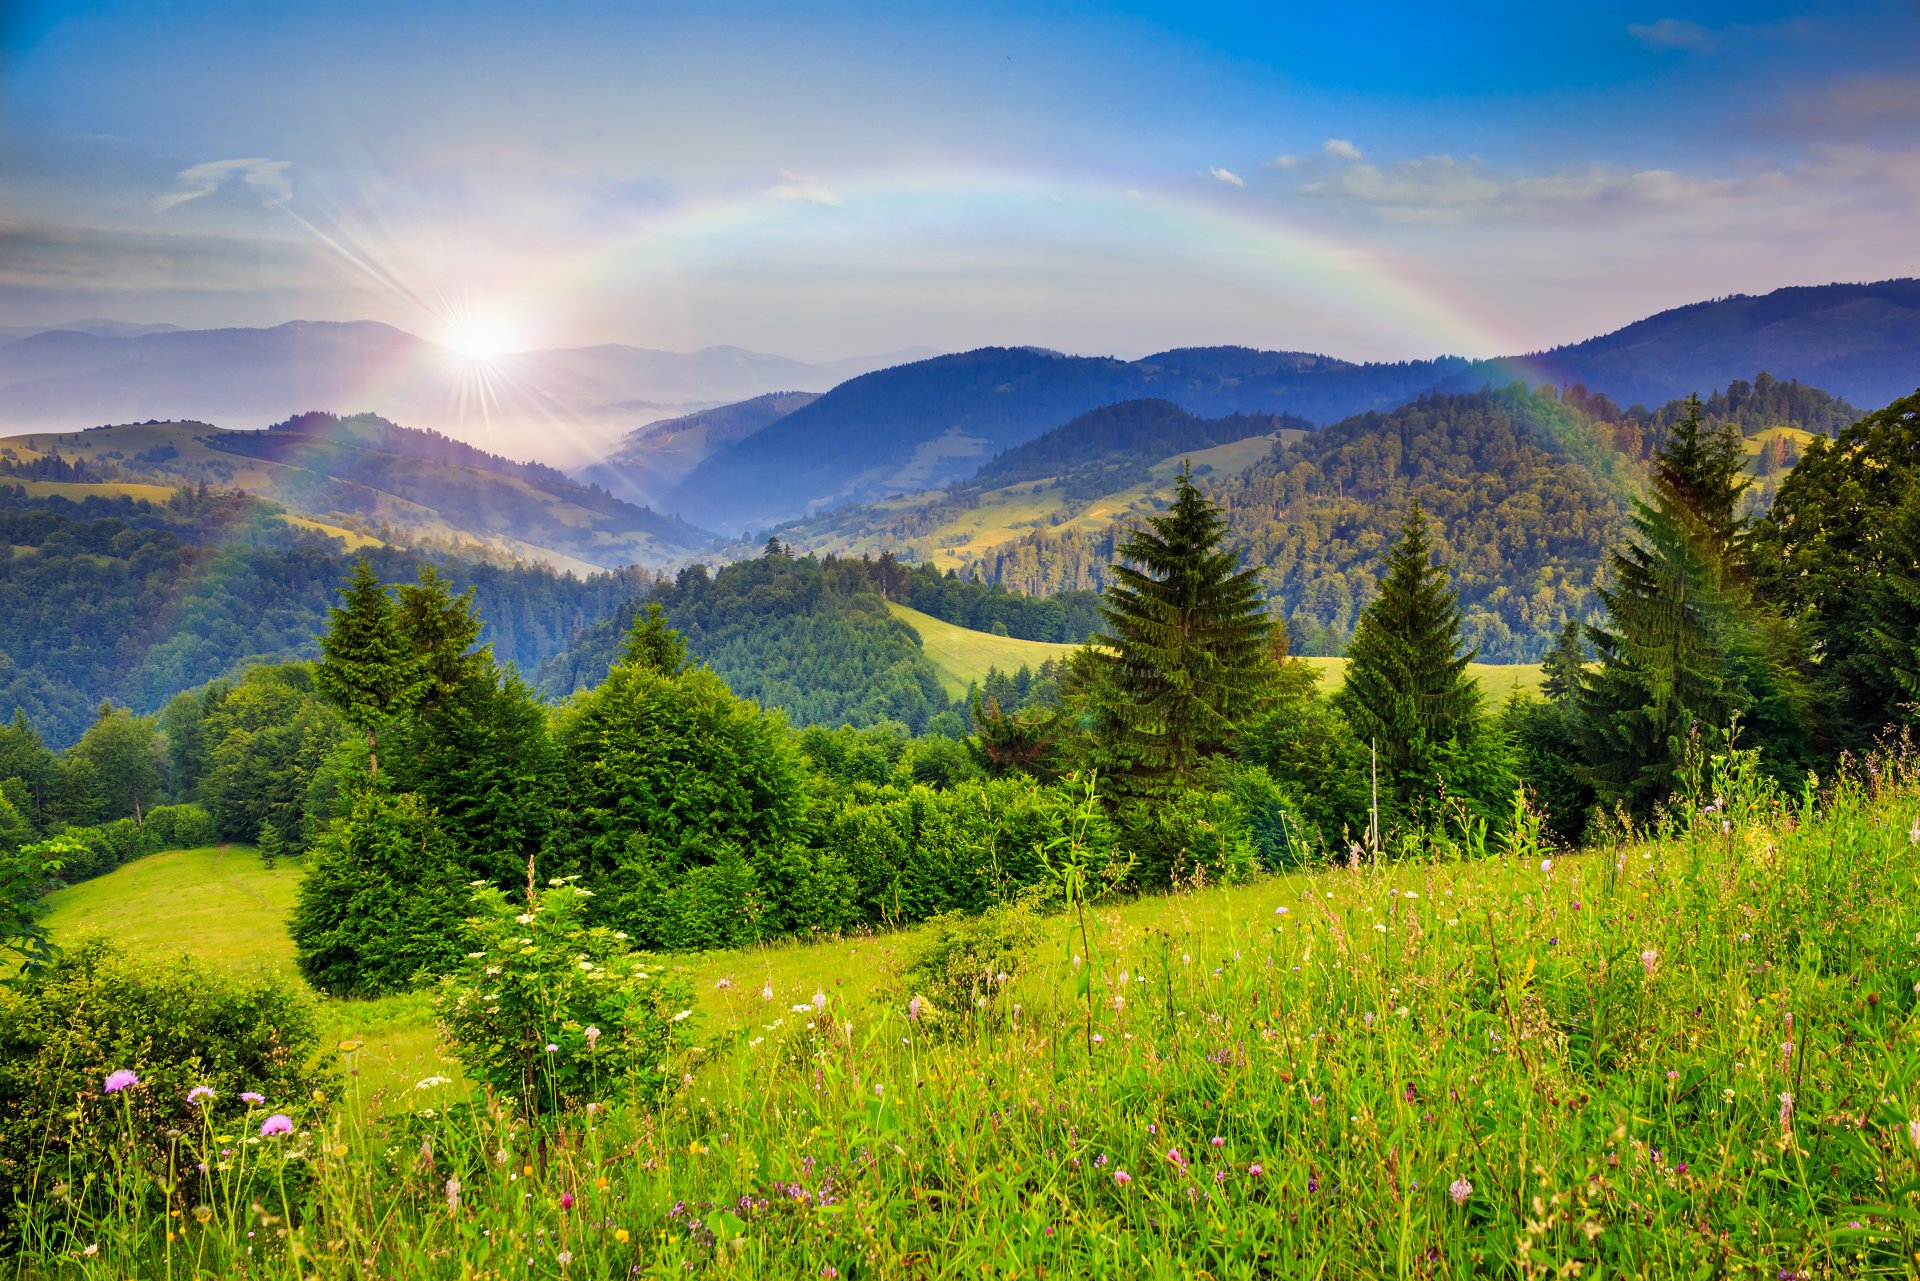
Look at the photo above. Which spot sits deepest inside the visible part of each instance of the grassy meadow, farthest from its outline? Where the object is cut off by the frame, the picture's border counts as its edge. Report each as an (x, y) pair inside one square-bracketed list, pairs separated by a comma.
[(964, 655), (1695, 1055)]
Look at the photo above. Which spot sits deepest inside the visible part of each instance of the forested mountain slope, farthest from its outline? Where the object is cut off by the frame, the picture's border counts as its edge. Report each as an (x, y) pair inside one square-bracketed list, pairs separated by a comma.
[(113, 598), (653, 459), (375, 476)]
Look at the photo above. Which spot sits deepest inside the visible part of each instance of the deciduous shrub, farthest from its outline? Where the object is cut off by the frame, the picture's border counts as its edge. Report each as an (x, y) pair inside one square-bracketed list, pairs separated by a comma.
[(177, 1026), (551, 1012), (965, 966)]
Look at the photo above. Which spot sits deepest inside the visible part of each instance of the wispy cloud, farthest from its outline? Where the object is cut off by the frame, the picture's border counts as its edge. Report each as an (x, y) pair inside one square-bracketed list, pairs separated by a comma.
[(803, 187), (1672, 33), (1341, 149), (266, 178), (1227, 176), (1285, 162)]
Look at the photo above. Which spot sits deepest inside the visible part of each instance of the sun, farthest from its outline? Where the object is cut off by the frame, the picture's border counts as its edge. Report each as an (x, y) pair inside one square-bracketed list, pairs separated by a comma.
[(478, 337)]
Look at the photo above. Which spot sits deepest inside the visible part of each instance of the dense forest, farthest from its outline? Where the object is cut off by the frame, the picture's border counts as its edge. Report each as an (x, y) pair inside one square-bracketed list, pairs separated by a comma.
[(132, 601)]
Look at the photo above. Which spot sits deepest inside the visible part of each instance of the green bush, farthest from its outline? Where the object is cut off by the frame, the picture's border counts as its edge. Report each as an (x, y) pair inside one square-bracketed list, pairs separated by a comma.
[(1187, 839), (382, 899), (177, 1025), (551, 1013), (178, 827), (963, 971)]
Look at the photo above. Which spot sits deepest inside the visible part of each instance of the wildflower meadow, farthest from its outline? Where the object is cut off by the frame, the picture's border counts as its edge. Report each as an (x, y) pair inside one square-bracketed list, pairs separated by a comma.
[(1689, 1052)]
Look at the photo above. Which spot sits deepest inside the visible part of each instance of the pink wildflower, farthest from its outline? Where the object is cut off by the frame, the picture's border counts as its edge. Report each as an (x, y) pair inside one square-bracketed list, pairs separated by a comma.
[(278, 1123), (118, 1081), (1460, 1190), (1122, 1178)]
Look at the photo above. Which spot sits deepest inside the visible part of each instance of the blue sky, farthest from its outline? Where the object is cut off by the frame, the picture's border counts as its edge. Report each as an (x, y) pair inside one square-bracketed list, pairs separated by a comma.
[(823, 179)]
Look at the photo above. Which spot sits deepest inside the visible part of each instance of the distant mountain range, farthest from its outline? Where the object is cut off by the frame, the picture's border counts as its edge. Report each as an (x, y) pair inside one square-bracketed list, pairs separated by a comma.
[(930, 424), (568, 406)]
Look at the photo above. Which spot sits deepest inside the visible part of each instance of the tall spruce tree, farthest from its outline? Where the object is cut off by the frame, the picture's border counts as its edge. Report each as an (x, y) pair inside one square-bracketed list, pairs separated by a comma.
[(1190, 651), (444, 633), (653, 645), (369, 668), (1670, 654), (1565, 662), (1407, 691)]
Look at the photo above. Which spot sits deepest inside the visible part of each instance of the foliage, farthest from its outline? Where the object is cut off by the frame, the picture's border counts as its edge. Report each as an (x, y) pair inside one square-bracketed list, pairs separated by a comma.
[(1307, 746), (552, 1013), (178, 1026), (1407, 692), (963, 966), (1837, 550), (676, 796), (125, 754), (369, 669), (380, 903), (268, 734), (1189, 648)]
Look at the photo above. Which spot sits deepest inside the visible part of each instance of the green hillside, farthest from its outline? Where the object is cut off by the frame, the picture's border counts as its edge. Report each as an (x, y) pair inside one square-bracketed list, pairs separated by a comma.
[(222, 906), (964, 656)]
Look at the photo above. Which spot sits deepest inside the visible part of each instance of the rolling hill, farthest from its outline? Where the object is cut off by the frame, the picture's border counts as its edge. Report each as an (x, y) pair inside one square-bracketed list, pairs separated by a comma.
[(369, 477), (651, 460)]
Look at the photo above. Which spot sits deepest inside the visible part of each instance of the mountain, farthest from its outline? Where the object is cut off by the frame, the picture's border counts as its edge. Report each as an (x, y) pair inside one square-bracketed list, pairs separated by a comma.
[(1861, 342), (95, 326), (651, 460), (929, 424), (1129, 434), (374, 478), (568, 405)]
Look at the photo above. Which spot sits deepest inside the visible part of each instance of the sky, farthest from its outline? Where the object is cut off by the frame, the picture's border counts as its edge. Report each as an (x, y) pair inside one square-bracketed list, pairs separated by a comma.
[(1379, 181)]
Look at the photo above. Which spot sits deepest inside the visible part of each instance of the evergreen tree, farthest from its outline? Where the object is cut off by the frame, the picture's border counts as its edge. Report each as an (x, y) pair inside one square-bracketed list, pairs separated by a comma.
[(1666, 657), (383, 899), (1565, 663), (369, 668), (1189, 651), (444, 633), (272, 845), (24, 755), (1407, 691), (653, 646)]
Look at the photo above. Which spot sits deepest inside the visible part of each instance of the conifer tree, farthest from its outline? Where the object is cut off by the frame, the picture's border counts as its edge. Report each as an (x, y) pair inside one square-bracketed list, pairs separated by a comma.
[(653, 645), (1561, 671), (443, 632), (1189, 648), (1407, 690), (368, 666), (1667, 654)]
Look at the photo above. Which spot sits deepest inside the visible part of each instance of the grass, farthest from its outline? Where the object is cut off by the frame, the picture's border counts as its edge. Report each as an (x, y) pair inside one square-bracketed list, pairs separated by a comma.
[(221, 905), (964, 655), (1691, 1056)]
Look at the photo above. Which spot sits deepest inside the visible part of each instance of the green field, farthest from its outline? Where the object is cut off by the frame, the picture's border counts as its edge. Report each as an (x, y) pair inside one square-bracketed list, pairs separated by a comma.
[(964, 655), (1503, 1061)]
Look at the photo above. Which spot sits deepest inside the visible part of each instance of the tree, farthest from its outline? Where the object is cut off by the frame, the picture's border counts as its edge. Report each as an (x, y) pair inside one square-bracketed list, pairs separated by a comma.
[(677, 796), (272, 847), (128, 759), (1190, 651), (1835, 551), (1565, 663), (1023, 742), (653, 645), (443, 632), (369, 668), (1407, 691), (382, 901), (24, 755)]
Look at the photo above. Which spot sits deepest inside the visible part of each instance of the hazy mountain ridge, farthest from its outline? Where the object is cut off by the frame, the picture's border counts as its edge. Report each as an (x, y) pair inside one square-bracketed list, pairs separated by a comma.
[(920, 426), (652, 459)]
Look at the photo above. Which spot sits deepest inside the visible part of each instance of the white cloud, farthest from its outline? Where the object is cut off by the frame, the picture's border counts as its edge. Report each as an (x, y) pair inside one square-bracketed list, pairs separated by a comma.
[(803, 187), (1227, 176), (1341, 149), (1284, 162), (1672, 33), (266, 178)]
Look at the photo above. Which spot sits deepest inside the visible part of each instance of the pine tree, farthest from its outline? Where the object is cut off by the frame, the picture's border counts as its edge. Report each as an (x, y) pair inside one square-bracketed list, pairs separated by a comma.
[(653, 645), (1189, 648), (1407, 690), (443, 632), (368, 666), (1666, 657), (271, 844), (1561, 672)]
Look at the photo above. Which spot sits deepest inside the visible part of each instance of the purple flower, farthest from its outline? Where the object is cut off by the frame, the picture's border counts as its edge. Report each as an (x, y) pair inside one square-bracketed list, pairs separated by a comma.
[(566, 1200), (118, 1081), (200, 1094), (1122, 1178), (255, 1099), (278, 1123), (1460, 1190), (913, 1009), (1219, 1142), (1255, 1170)]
